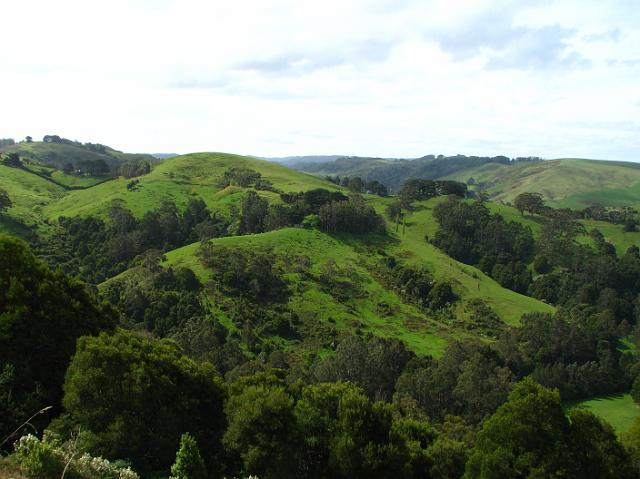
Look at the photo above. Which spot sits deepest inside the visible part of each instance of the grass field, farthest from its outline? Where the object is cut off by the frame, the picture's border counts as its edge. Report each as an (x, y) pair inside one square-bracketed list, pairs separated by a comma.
[(574, 183), (469, 282), (618, 410), (363, 310), (179, 179)]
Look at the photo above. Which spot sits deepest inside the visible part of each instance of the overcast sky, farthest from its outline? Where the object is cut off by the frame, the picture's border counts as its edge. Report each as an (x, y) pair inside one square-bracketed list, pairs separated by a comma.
[(393, 78)]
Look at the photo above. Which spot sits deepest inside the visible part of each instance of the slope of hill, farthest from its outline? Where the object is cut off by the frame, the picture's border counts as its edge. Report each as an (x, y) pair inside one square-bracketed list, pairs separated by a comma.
[(574, 183), (371, 306), (58, 154), (178, 179), (569, 182)]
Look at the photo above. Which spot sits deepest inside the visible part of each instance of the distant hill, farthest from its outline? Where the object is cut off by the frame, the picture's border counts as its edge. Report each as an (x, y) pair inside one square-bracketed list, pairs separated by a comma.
[(393, 172), (568, 182), (58, 152)]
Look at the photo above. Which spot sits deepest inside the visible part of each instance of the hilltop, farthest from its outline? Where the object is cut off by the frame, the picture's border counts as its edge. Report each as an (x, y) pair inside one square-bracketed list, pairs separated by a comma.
[(58, 152)]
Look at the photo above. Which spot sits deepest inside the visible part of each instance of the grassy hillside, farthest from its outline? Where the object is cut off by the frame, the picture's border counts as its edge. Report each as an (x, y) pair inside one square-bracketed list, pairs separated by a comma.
[(469, 282), (60, 153), (180, 178), (573, 183), (619, 410), (29, 194), (369, 306), (373, 307)]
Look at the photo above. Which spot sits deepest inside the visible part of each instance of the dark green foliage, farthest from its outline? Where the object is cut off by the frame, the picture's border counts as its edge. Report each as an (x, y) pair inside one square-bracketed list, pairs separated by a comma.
[(96, 250), (351, 216), (156, 299), (253, 213), (12, 160), (530, 436), (42, 314), (347, 435), (418, 190), (262, 430), (470, 380), (575, 353), (5, 201), (541, 264), (470, 233), (277, 217), (355, 184), (376, 188), (529, 202), (133, 168), (189, 463), (134, 398), (302, 204), (247, 274), (240, 176), (416, 285), (373, 364), (92, 167)]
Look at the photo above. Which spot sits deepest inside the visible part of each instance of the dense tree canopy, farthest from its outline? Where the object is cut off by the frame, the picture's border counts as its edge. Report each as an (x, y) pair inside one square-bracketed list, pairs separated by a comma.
[(135, 397), (42, 314)]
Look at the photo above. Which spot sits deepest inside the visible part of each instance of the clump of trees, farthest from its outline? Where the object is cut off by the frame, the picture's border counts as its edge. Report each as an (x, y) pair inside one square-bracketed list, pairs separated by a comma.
[(42, 314), (5, 201), (240, 176), (139, 405), (418, 190), (97, 249), (351, 216), (530, 202), (469, 233), (133, 168), (415, 284)]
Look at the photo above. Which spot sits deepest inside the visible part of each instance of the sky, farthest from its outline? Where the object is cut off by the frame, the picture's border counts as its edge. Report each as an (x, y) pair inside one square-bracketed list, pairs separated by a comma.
[(388, 78)]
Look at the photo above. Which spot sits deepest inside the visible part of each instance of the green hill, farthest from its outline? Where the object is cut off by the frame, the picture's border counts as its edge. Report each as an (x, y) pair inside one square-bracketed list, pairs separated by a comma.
[(573, 183), (61, 152), (180, 178)]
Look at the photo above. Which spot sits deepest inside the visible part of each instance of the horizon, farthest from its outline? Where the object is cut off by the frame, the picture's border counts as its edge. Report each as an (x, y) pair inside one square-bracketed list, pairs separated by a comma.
[(372, 79)]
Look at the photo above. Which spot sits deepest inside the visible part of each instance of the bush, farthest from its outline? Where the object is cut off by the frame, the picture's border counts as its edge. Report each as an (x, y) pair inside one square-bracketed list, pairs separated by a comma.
[(47, 459)]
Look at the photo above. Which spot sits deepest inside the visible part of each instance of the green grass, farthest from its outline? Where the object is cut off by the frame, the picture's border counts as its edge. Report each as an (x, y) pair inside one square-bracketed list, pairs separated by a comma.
[(29, 193), (401, 321), (618, 410), (574, 183), (179, 179), (468, 281)]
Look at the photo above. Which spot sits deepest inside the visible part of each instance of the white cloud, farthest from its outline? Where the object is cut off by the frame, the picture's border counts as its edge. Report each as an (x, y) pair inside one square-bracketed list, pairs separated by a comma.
[(383, 78)]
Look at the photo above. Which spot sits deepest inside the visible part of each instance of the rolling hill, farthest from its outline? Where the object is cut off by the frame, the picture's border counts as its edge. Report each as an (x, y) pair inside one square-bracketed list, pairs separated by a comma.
[(381, 311), (58, 153), (569, 182)]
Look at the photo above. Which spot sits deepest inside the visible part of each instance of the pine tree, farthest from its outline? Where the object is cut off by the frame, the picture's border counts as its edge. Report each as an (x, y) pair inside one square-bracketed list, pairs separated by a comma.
[(189, 463)]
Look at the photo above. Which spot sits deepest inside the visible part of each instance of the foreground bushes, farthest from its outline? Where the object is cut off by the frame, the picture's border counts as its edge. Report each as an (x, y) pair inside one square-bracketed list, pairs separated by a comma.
[(49, 458)]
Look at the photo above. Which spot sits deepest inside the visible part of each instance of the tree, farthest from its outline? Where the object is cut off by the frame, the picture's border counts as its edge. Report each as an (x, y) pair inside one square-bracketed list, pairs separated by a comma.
[(530, 202), (28, 139), (136, 396), (377, 188), (530, 436), (261, 432), (355, 184), (254, 213), (13, 160), (189, 463), (42, 314), (526, 437), (5, 201)]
